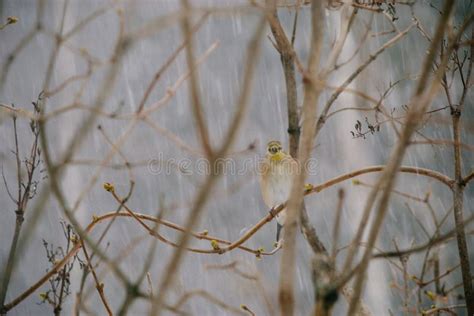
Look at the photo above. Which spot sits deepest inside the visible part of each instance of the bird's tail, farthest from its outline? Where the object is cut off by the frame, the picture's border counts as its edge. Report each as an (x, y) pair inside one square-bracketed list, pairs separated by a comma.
[(279, 227)]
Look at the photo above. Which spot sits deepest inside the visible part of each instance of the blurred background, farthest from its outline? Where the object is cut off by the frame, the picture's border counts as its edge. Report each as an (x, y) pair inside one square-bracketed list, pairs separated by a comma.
[(235, 203)]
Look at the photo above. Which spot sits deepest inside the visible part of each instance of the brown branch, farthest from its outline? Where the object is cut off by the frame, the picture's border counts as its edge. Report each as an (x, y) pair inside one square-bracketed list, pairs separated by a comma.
[(458, 196), (254, 277), (323, 116), (169, 62), (141, 112), (70, 80), (193, 86), (295, 202), (431, 243), (211, 298), (35, 30), (446, 309), (468, 178), (337, 224), (318, 188), (419, 104), (442, 142), (26, 190), (54, 173), (99, 286), (459, 184), (253, 51), (404, 169), (58, 193), (287, 56), (55, 269), (434, 241), (231, 245), (91, 17), (438, 276), (345, 26)]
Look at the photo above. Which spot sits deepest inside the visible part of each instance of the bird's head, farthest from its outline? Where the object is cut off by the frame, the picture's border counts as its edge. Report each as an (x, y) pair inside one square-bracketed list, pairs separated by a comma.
[(275, 151)]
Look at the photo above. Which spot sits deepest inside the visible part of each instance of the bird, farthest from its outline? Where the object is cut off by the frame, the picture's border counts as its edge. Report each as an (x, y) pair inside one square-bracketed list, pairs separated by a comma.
[(277, 172)]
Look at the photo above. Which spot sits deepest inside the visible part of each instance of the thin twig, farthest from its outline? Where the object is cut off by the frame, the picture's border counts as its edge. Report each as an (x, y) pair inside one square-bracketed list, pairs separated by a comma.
[(98, 285)]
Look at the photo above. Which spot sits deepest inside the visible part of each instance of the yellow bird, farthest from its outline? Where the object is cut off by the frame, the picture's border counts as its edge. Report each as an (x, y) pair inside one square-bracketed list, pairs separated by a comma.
[(276, 178)]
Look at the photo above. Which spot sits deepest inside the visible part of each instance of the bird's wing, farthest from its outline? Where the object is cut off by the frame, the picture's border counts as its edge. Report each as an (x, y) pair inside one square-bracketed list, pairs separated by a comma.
[(264, 175)]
